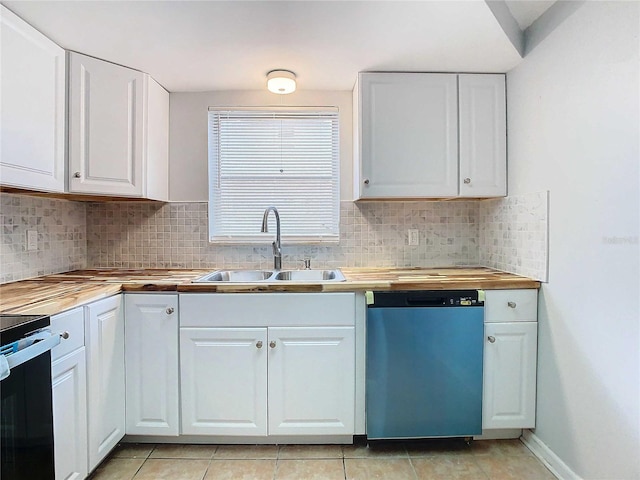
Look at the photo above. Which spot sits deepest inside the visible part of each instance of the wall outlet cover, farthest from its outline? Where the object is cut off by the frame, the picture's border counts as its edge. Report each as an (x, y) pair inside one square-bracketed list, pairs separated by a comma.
[(414, 237), (32, 239)]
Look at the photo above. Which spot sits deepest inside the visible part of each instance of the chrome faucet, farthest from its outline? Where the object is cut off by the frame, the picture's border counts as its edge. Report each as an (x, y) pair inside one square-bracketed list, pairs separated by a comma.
[(277, 247)]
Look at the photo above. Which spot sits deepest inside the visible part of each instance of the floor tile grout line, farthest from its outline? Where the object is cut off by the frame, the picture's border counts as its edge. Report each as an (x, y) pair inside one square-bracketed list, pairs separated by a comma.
[(413, 468)]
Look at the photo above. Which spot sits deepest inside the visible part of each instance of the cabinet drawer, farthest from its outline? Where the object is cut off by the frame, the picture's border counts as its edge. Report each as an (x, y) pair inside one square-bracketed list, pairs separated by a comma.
[(266, 309), (511, 306), (71, 322)]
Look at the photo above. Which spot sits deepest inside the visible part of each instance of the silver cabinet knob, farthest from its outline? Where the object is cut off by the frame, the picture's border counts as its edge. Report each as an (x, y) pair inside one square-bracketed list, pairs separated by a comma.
[(259, 344), (467, 181), (272, 344), (76, 175), (170, 310), (511, 304), (491, 339), (366, 181), (64, 335)]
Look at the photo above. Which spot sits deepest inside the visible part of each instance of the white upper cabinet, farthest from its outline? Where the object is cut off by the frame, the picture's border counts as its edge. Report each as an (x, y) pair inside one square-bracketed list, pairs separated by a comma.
[(157, 142), (118, 130), (106, 130), (407, 135), (429, 135), (33, 99), (483, 140)]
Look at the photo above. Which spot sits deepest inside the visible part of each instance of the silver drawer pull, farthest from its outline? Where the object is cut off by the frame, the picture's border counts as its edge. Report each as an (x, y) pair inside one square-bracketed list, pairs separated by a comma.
[(511, 304), (259, 344), (65, 335), (491, 339), (169, 310), (366, 181), (272, 344), (467, 181)]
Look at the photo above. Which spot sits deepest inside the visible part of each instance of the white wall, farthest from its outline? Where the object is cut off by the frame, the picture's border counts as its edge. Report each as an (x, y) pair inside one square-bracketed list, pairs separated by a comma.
[(574, 130), (188, 134)]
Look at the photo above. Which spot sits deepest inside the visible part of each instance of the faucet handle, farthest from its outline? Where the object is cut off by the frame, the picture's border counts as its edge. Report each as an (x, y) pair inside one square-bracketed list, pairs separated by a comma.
[(307, 263)]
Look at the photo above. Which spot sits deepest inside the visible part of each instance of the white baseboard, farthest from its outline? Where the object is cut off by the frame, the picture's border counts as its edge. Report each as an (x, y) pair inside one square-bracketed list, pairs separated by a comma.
[(546, 456)]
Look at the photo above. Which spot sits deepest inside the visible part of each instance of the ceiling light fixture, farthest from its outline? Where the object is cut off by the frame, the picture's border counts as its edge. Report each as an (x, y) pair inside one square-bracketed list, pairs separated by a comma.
[(281, 81)]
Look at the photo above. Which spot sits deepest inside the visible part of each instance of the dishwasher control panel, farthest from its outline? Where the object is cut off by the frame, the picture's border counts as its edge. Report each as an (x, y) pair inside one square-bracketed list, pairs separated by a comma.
[(426, 298)]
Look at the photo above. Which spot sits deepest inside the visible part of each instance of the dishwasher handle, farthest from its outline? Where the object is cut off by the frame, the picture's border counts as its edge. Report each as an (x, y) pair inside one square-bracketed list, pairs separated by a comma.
[(426, 301)]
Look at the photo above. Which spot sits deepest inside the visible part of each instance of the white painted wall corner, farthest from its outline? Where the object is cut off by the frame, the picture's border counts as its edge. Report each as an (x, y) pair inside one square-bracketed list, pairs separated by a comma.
[(546, 456)]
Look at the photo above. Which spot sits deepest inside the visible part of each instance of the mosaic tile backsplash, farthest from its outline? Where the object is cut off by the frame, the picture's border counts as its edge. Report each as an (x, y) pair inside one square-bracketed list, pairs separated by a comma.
[(514, 234), (509, 234), (138, 235), (62, 236)]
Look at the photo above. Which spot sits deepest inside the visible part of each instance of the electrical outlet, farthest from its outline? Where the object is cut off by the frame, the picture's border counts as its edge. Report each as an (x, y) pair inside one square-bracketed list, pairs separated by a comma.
[(32, 239), (414, 237)]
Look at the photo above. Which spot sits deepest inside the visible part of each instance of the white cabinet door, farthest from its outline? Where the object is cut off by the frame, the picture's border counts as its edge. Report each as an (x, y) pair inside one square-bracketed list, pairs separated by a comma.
[(483, 135), (69, 388), (104, 330), (33, 91), (106, 127), (408, 135), (311, 380), (151, 354), (224, 381), (69, 383), (509, 391)]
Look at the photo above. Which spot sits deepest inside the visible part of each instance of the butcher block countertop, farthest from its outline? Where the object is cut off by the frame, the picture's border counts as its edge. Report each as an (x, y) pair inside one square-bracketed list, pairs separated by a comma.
[(52, 294)]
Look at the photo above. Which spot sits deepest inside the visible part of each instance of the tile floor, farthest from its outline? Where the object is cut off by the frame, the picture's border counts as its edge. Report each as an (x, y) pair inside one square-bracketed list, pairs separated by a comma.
[(425, 460)]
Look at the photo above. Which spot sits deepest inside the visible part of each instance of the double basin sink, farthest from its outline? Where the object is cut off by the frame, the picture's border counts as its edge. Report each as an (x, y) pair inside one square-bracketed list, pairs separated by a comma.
[(258, 276)]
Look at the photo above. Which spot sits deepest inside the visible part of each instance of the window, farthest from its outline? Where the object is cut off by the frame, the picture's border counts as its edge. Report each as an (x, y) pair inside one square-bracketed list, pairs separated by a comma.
[(282, 157)]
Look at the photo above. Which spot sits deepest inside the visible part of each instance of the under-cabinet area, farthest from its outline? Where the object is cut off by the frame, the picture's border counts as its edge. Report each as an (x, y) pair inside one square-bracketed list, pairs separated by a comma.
[(252, 368)]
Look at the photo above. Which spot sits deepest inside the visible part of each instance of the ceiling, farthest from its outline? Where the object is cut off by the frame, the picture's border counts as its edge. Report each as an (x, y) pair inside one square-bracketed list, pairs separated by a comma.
[(527, 11), (231, 45)]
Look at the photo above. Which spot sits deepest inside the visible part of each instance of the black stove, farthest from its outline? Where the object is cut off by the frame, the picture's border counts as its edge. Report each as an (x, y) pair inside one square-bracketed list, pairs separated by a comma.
[(26, 410)]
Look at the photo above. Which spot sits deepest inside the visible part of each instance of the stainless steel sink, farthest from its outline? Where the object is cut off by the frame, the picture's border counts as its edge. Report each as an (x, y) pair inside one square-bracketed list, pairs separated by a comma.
[(310, 275), (238, 276), (253, 276)]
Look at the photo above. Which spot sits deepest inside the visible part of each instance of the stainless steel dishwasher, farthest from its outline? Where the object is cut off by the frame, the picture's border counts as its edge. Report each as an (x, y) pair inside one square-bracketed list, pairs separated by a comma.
[(424, 364)]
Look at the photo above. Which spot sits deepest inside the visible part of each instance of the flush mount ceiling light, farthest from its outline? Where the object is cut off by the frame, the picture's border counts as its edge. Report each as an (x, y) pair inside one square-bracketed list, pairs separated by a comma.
[(281, 81)]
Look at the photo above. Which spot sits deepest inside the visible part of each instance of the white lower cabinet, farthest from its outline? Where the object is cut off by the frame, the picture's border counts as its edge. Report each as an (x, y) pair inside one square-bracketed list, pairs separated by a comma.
[(151, 353), (510, 360), (285, 370), (69, 393), (104, 340), (311, 380), (224, 381)]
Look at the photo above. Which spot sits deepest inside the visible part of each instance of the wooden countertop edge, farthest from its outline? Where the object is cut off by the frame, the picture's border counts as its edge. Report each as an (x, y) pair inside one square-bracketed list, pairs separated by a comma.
[(89, 290), (55, 304)]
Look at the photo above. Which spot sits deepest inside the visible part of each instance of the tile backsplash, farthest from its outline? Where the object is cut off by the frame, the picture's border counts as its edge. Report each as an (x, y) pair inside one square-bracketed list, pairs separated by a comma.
[(514, 234), (61, 227), (137, 235), (509, 234)]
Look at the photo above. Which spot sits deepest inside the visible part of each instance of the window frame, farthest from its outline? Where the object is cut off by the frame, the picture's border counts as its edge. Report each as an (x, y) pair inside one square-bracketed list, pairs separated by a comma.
[(259, 238)]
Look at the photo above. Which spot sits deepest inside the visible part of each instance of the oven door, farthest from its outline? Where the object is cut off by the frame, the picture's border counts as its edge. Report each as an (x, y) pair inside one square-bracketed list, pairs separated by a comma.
[(26, 441)]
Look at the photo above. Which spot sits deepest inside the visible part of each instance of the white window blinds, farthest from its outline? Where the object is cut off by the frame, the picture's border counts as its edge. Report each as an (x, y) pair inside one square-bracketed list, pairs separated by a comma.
[(286, 158)]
